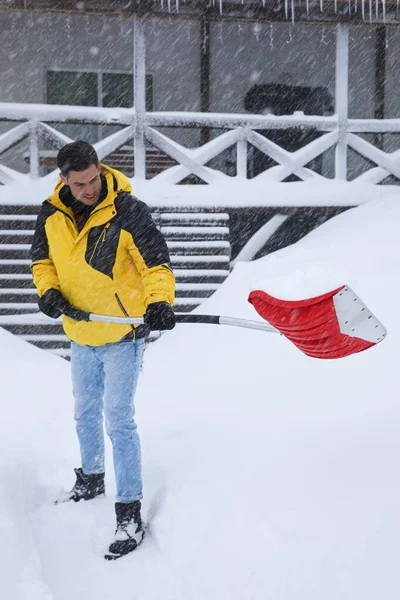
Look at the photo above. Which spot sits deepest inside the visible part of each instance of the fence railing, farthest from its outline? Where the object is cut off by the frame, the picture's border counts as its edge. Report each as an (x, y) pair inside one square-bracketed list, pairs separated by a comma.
[(238, 131)]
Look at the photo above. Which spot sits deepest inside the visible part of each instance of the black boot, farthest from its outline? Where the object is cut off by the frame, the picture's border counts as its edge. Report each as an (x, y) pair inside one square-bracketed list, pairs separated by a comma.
[(86, 487), (129, 532)]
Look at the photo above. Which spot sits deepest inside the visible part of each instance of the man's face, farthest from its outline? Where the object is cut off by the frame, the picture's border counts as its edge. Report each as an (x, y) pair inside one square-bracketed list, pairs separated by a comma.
[(85, 185)]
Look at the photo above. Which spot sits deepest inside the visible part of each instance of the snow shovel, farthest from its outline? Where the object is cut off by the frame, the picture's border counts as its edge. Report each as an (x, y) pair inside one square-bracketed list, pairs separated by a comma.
[(333, 325)]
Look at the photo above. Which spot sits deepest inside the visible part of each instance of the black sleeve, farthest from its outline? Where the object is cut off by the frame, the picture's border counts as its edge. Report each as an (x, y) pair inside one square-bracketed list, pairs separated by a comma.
[(40, 247), (137, 220)]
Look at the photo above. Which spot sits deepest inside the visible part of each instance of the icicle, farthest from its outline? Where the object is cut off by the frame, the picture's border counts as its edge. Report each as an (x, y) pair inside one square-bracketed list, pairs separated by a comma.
[(293, 12), (120, 21), (264, 2), (363, 9), (377, 9), (355, 5), (220, 7), (286, 9), (204, 42), (335, 5), (68, 27), (169, 6), (177, 5), (349, 3), (370, 11), (321, 5), (384, 10), (308, 7)]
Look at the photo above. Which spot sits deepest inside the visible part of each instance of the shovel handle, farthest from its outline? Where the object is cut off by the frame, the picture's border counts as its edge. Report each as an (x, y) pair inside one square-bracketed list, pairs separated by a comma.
[(190, 318)]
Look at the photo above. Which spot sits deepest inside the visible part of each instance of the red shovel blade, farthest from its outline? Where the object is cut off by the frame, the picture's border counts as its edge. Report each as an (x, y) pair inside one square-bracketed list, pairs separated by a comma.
[(333, 325)]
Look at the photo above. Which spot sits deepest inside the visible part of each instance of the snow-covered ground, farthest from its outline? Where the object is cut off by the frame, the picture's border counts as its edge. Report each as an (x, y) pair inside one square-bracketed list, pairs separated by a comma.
[(268, 475), (234, 192)]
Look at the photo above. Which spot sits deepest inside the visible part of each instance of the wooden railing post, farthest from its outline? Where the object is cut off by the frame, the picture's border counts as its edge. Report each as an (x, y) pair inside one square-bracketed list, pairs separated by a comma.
[(34, 160), (341, 98), (139, 94), (241, 158)]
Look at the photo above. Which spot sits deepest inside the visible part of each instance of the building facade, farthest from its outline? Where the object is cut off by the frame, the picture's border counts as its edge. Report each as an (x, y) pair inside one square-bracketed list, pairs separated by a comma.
[(200, 59)]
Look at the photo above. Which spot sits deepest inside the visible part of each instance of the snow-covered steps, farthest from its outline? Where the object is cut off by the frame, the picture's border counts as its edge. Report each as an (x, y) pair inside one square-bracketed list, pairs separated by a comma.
[(198, 241)]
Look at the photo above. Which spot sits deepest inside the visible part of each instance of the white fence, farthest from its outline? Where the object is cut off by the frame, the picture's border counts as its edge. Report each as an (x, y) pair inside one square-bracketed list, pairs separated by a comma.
[(240, 132)]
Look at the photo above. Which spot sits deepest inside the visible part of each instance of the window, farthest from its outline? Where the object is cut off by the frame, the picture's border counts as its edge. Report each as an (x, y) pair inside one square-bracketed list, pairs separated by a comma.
[(80, 88), (117, 90), (69, 87)]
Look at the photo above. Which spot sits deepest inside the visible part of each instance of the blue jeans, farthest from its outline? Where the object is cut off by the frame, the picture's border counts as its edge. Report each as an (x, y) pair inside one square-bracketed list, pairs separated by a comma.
[(106, 376)]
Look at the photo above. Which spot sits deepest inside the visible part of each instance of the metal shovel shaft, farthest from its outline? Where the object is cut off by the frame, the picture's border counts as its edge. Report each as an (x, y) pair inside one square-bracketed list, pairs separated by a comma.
[(189, 318)]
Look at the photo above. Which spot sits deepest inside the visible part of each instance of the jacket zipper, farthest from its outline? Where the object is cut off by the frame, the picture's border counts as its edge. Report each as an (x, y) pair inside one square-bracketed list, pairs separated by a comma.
[(102, 239), (122, 307), (95, 212)]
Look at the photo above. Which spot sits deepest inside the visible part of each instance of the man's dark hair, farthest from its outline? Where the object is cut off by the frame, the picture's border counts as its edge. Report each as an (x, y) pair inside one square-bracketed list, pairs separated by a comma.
[(76, 156)]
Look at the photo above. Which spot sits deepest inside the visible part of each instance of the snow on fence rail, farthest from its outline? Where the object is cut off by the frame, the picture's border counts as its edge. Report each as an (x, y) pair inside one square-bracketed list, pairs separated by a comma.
[(240, 132)]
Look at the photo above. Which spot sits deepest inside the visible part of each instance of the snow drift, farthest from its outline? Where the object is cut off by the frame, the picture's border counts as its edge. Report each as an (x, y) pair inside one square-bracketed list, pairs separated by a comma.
[(267, 474)]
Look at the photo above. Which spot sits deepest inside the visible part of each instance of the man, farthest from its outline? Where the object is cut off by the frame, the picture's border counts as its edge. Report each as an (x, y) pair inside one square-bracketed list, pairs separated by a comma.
[(96, 249)]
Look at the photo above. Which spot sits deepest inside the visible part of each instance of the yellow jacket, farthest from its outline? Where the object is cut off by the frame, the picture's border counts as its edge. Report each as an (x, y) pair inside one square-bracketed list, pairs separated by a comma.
[(117, 264)]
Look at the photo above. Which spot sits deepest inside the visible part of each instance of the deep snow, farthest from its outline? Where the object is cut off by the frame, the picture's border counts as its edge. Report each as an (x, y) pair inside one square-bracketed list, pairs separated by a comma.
[(268, 475)]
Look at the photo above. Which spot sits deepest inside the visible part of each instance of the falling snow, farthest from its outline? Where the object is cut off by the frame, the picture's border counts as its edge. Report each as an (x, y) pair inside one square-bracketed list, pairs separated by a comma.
[(292, 496)]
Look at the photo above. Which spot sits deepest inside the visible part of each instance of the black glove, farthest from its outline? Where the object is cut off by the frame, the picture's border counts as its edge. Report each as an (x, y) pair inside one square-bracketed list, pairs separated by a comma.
[(159, 316), (53, 304)]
